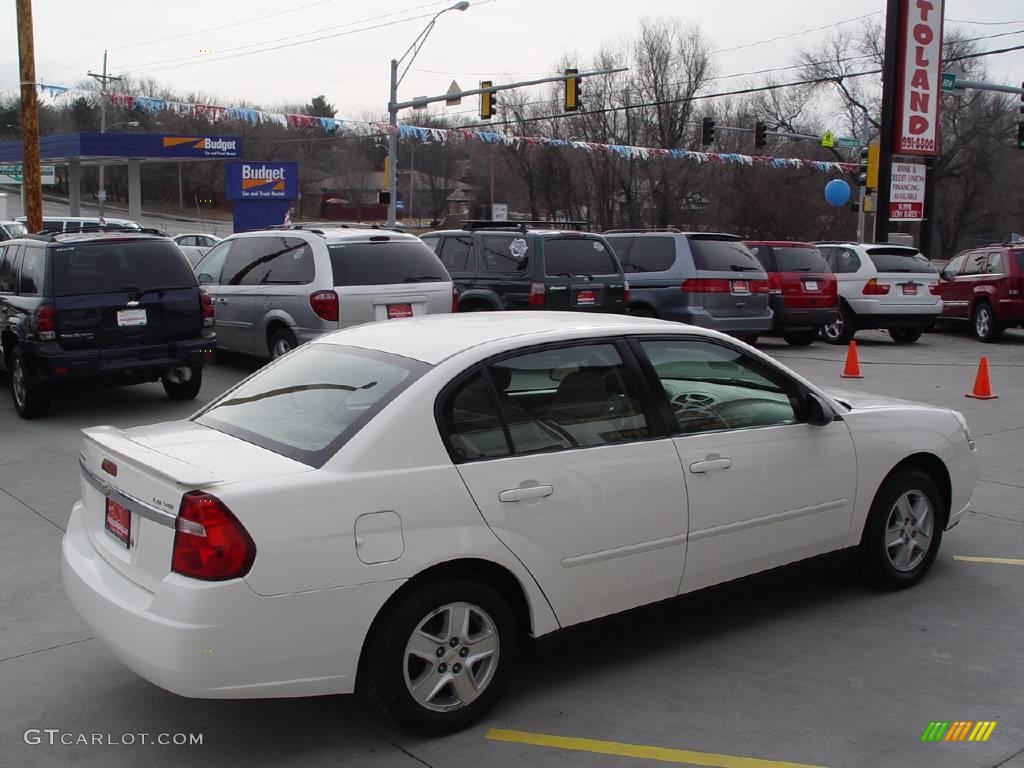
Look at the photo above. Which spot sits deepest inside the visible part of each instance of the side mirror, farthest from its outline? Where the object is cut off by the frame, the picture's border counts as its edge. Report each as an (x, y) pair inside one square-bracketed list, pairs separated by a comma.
[(817, 412), (205, 279)]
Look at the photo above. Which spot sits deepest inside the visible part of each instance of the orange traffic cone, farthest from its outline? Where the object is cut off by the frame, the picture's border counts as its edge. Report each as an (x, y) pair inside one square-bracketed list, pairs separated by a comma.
[(982, 388), (852, 368)]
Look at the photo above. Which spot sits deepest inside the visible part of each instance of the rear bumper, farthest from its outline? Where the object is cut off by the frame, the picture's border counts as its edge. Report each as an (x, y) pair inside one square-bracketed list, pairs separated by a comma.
[(221, 640), (787, 317), (1010, 311), (883, 313), (698, 316), (130, 363)]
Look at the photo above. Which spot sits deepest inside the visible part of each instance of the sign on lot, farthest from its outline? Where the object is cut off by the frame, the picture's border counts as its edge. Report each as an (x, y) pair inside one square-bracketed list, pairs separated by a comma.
[(10, 173), (907, 192)]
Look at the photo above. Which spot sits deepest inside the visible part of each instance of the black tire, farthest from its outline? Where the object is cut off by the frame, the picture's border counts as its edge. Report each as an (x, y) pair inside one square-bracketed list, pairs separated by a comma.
[(476, 306), (905, 335), (877, 559), (182, 383), (800, 338), (282, 341), (984, 324), (642, 311), (31, 396), (842, 329), (384, 668)]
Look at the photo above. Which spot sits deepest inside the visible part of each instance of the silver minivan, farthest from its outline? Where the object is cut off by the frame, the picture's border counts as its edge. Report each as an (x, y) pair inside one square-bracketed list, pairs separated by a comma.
[(275, 289)]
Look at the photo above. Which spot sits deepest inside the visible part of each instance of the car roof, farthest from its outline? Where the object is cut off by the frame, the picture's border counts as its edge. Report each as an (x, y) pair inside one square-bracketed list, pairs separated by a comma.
[(360, 235), (87, 237), (781, 243), (83, 219), (435, 338), (513, 230)]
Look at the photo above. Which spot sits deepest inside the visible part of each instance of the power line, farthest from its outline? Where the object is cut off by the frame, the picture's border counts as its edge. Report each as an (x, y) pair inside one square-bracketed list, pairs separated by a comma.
[(987, 23), (796, 34)]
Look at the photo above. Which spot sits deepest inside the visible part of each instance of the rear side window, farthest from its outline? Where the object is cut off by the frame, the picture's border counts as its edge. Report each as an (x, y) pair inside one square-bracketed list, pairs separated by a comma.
[(505, 254), (7, 273), (995, 263), (33, 268), (310, 403), (259, 260), (457, 254), (650, 254), (292, 265), (114, 266), (901, 260), (799, 260), (386, 262), (578, 256), (472, 423), (717, 254)]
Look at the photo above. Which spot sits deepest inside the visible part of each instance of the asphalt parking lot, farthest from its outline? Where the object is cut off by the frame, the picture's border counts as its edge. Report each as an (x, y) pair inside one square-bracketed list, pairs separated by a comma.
[(800, 667)]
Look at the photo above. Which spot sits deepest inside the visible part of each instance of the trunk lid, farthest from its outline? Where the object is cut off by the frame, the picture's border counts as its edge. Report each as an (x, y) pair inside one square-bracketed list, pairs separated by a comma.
[(582, 274), (804, 278), (737, 283), (908, 275)]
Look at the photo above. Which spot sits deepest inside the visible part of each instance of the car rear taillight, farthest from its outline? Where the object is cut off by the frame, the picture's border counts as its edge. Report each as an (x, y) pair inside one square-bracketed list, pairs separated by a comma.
[(625, 293), (705, 285), (455, 299), (45, 322), (873, 288), (760, 286), (774, 282), (832, 287), (934, 289), (209, 542), (1019, 289), (325, 304), (207, 304), (537, 295)]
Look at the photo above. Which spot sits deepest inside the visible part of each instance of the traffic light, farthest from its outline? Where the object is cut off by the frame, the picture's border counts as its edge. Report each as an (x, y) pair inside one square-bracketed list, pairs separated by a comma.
[(707, 131), (573, 86), (488, 101), (383, 197), (760, 135), (867, 175)]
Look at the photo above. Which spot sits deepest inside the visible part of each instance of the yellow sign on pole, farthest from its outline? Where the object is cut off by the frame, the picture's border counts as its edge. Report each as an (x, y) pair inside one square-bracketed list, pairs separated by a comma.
[(828, 139)]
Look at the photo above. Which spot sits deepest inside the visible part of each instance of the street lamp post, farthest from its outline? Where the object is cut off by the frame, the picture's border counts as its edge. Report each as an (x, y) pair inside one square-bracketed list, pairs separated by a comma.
[(396, 80)]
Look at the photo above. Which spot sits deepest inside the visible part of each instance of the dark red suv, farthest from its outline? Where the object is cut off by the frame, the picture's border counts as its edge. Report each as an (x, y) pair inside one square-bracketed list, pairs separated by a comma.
[(801, 288), (985, 286)]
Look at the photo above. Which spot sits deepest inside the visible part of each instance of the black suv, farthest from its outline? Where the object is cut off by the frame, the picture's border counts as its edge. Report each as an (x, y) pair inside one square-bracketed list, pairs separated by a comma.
[(497, 265), (113, 309)]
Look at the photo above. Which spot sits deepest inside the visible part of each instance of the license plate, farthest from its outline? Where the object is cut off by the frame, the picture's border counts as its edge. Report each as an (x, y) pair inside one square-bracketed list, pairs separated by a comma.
[(398, 311), (740, 286), (118, 522), (811, 285), (910, 289), (130, 318), (586, 298)]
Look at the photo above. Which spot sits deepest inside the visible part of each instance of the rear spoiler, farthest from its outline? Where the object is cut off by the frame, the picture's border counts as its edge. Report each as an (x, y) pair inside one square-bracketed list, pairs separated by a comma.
[(115, 442)]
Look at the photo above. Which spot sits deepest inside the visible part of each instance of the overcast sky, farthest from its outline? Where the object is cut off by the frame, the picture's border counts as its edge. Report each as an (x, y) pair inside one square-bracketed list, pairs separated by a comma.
[(506, 39)]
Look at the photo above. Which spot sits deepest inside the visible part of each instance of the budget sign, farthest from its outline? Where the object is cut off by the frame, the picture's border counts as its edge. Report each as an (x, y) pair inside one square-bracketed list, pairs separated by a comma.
[(918, 78)]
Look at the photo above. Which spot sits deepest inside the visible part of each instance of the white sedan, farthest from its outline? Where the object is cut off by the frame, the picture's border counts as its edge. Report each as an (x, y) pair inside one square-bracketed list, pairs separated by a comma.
[(397, 507)]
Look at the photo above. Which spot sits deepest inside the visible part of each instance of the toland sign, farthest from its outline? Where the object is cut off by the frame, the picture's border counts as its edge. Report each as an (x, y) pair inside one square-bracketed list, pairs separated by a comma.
[(907, 192), (10, 173), (919, 78)]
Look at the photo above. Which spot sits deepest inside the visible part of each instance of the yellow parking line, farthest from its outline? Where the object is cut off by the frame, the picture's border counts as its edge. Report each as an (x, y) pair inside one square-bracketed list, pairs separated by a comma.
[(662, 754), (997, 560)]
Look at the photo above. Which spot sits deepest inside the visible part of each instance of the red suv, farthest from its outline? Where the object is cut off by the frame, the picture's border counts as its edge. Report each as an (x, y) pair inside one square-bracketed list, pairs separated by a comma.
[(801, 289), (986, 286)]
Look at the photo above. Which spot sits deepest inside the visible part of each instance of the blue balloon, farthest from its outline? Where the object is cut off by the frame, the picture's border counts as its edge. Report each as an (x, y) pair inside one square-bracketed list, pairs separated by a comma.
[(837, 192)]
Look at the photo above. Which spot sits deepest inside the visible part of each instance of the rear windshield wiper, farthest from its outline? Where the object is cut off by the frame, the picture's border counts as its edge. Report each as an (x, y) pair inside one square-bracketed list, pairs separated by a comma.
[(157, 289), (423, 279), (741, 268)]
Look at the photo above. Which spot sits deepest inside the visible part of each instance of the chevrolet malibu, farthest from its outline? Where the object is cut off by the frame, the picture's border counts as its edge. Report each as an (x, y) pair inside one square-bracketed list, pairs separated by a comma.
[(398, 508)]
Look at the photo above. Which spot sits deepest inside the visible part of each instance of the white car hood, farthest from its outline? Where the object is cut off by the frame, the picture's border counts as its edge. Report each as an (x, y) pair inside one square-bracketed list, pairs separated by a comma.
[(867, 400)]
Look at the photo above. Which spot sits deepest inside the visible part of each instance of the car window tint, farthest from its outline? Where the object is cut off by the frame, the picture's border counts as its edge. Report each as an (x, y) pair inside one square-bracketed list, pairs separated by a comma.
[(793, 259), (307, 405), (621, 246), (650, 254), (975, 263), (721, 254), (186, 240), (571, 397), (577, 256), (952, 269), (995, 263), (211, 265), (291, 264), (386, 262), (847, 261), (432, 242), (118, 265), (33, 266), (714, 387), (248, 261), (505, 254), (456, 254), (7, 268), (472, 422), (902, 260)]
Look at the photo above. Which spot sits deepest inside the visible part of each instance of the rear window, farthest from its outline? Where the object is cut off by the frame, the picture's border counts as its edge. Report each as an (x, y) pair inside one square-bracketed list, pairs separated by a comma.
[(799, 260), (650, 254), (578, 256), (315, 399), (899, 260), (385, 263), (716, 254), (119, 265)]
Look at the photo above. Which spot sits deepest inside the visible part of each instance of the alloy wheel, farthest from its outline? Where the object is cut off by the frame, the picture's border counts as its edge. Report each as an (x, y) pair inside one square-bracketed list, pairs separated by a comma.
[(982, 322), (281, 347), (834, 329), (908, 531), (18, 381)]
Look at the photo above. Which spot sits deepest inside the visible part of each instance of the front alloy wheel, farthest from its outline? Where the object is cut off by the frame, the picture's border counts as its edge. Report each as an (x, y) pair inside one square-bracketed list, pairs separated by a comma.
[(908, 531)]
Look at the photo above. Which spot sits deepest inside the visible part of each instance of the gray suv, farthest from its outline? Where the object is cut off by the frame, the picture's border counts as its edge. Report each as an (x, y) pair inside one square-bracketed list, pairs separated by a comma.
[(276, 289), (701, 278)]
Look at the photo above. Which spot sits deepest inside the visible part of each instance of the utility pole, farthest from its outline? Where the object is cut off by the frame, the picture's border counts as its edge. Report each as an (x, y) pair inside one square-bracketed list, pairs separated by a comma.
[(391, 182), (887, 129), (103, 79), (31, 183)]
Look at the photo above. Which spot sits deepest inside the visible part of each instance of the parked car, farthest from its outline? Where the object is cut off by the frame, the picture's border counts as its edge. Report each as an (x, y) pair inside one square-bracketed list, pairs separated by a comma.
[(194, 253), (509, 266), (986, 287), (276, 289), (884, 286), (396, 508), (102, 308), (701, 278), (802, 291), (56, 224), (12, 229), (200, 239)]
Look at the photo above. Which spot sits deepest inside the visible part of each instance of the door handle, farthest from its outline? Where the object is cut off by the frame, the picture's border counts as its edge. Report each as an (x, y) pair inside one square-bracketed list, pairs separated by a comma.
[(710, 465), (220, 301), (524, 494)]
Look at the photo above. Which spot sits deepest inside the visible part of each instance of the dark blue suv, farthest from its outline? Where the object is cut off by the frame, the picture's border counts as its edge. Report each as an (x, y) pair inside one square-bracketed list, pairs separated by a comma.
[(108, 308)]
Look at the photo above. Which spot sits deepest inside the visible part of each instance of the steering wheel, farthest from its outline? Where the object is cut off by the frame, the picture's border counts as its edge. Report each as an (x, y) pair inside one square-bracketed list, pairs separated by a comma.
[(747, 410), (689, 404)]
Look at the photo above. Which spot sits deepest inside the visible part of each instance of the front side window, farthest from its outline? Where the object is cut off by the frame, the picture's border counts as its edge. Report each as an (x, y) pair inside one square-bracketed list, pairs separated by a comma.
[(33, 268), (571, 256), (310, 403), (505, 254), (952, 269), (211, 266), (713, 387)]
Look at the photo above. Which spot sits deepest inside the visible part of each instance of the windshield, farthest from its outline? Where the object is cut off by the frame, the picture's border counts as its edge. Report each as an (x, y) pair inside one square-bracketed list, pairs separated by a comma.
[(799, 260), (119, 265), (307, 405), (386, 262), (577, 256), (719, 254), (16, 229), (900, 260)]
